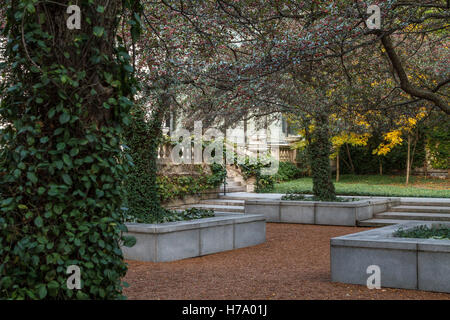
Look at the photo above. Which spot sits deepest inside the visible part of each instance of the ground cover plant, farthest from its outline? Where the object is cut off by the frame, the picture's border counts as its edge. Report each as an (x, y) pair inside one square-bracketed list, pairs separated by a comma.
[(425, 232), (302, 197), (167, 215)]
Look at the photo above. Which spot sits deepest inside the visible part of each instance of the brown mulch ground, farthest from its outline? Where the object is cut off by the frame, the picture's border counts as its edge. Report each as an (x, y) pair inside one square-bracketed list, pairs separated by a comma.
[(294, 263)]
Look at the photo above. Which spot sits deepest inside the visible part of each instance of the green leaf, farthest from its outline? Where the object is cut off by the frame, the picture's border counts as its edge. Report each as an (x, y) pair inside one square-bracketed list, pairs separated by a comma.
[(32, 177), (30, 7), (53, 284), (64, 118), (60, 146), (42, 291), (98, 31), (59, 164), (38, 222), (67, 160), (82, 295), (74, 152), (129, 241), (67, 179), (17, 173)]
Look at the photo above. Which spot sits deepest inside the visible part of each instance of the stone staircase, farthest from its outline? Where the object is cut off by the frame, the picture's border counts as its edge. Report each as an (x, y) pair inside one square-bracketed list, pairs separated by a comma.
[(235, 181), (411, 210)]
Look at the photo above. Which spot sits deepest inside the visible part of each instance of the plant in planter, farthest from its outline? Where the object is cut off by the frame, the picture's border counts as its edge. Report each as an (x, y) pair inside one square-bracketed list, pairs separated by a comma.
[(302, 197), (425, 232)]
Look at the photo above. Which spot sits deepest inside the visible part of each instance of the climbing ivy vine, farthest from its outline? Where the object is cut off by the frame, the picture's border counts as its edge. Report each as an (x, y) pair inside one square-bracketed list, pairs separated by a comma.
[(66, 96)]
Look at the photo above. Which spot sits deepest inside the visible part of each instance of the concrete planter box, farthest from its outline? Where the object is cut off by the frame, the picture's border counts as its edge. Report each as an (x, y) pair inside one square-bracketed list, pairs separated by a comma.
[(186, 239), (318, 212), (407, 263)]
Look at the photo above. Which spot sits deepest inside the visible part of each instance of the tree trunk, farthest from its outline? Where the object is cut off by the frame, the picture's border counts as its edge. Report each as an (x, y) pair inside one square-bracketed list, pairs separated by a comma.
[(408, 165), (143, 140), (337, 167), (319, 152), (65, 112), (350, 158)]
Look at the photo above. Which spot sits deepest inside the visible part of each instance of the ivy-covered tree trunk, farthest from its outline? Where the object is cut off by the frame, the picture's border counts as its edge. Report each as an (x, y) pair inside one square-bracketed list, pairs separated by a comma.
[(64, 101), (143, 138), (319, 152)]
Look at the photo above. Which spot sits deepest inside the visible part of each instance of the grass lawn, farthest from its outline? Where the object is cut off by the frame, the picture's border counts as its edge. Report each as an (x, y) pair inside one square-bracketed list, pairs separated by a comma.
[(375, 185)]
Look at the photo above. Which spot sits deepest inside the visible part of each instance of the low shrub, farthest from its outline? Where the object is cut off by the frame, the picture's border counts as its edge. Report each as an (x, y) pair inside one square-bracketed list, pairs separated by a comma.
[(288, 171)]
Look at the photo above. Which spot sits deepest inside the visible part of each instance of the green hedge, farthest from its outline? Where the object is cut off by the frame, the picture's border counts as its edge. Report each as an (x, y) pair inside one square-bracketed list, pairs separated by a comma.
[(288, 171)]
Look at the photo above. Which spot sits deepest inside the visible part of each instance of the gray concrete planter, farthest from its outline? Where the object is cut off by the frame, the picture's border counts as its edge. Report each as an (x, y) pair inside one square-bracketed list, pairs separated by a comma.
[(186, 239), (318, 212), (407, 263)]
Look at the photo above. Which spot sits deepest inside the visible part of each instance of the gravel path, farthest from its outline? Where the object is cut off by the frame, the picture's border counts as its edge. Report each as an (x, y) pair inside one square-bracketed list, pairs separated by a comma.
[(294, 263)]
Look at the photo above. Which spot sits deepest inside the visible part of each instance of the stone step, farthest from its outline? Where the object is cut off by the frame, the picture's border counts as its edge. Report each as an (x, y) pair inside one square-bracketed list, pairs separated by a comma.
[(218, 208), (422, 209), (233, 189), (414, 216), (428, 203), (375, 223), (233, 184), (223, 202)]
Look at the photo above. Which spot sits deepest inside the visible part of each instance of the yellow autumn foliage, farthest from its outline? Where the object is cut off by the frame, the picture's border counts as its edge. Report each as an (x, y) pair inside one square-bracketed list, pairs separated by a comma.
[(391, 139), (355, 139)]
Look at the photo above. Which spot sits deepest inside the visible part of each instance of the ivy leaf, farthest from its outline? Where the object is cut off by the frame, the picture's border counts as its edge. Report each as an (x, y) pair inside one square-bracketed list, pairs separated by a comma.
[(59, 164), (129, 241), (67, 179), (67, 160), (42, 291), (98, 31), (38, 222), (32, 177), (31, 8), (74, 152), (64, 118)]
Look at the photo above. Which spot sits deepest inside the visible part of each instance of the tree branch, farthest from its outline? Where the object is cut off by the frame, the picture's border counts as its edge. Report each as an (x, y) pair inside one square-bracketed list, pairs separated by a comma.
[(405, 84)]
